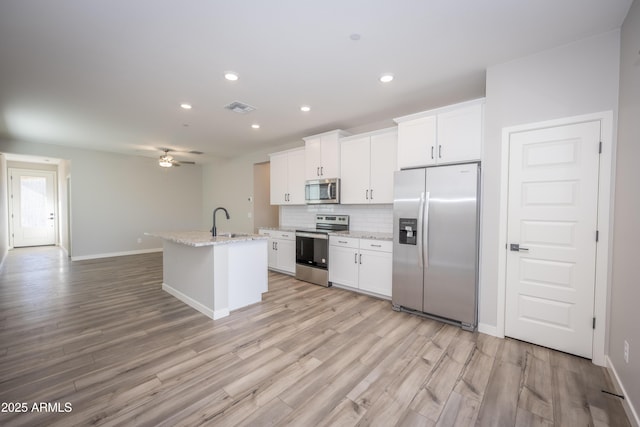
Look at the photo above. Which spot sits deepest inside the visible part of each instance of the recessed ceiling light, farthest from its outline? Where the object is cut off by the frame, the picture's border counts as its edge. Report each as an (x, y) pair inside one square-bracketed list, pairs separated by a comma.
[(386, 78), (355, 37), (305, 108), (186, 106), (255, 126), (231, 76)]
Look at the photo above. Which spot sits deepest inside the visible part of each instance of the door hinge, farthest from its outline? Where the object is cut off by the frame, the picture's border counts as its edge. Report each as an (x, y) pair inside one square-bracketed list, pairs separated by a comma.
[(594, 323), (600, 148), (597, 235)]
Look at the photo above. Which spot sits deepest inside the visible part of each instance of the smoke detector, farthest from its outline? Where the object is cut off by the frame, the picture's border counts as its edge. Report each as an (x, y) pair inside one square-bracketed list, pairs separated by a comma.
[(239, 107)]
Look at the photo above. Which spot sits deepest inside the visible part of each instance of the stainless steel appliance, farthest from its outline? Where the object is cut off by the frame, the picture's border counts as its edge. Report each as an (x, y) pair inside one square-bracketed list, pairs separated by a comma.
[(322, 191), (435, 242), (312, 248)]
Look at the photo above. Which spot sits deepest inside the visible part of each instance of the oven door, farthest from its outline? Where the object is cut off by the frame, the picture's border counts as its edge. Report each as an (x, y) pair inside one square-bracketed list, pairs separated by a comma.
[(312, 249)]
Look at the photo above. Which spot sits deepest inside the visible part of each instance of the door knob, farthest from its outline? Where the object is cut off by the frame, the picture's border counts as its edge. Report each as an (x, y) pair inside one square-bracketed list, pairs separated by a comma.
[(515, 247)]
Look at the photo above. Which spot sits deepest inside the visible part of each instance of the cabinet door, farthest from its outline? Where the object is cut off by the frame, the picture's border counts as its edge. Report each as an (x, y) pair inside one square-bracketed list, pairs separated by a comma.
[(295, 181), (383, 164), (273, 254), (312, 157), (417, 142), (286, 255), (460, 135), (343, 266), (376, 272), (279, 178), (330, 156), (354, 171)]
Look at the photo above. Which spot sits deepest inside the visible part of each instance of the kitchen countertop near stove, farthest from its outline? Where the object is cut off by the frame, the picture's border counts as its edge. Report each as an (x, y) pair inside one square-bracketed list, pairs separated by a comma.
[(364, 235)]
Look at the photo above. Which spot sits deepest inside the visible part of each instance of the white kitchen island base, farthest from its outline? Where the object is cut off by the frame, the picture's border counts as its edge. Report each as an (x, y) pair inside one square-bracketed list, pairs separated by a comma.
[(216, 278)]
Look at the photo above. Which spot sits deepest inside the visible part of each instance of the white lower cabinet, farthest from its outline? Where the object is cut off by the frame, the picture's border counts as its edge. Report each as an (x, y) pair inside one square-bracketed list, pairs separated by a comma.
[(362, 264), (282, 250)]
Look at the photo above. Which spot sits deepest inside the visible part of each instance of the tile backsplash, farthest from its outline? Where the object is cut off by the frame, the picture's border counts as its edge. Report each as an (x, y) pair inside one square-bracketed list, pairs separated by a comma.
[(376, 218)]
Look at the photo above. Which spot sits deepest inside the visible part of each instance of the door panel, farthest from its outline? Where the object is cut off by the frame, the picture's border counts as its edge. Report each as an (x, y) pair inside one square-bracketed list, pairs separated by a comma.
[(552, 215), (33, 207)]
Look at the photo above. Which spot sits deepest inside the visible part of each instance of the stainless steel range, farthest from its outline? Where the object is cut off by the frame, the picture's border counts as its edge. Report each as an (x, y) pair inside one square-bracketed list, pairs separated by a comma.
[(312, 248)]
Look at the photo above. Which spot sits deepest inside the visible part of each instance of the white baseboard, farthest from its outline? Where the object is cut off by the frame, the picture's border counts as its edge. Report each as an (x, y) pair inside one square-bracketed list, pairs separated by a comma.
[(489, 330), (193, 303), (632, 414), (219, 314), (114, 254)]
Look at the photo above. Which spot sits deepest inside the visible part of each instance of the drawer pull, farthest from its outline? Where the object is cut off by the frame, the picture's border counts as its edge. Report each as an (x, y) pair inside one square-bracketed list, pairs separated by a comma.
[(376, 246), (342, 241)]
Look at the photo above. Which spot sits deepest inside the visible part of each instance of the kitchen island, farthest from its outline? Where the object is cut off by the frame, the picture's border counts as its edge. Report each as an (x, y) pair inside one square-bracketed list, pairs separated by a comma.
[(214, 275)]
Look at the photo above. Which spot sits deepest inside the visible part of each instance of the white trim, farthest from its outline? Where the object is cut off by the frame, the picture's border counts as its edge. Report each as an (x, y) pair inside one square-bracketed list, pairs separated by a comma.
[(632, 414), (439, 110), (114, 254), (219, 314), (189, 301), (484, 328), (605, 223)]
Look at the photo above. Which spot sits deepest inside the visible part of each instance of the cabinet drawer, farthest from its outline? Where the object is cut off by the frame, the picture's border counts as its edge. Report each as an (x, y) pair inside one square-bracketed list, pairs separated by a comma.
[(376, 245), (278, 234), (345, 242)]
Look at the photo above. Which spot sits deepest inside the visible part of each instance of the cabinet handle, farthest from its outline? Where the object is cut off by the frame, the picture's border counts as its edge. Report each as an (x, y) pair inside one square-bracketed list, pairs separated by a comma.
[(318, 171), (355, 258), (432, 152), (342, 241), (360, 258), (276, 245), (366, 194), (371, 193), (376, 246), (285, 235), (439, 151), (321, 170)]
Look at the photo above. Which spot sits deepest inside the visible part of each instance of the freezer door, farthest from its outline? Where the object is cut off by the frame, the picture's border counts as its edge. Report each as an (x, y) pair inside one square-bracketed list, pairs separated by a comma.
[(408, 261), (451, 243)]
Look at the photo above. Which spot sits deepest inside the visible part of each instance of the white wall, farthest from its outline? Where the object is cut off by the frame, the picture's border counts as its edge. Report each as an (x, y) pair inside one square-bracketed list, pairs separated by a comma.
[(4, 219), (569, 80), (625, 291), (116, 198)]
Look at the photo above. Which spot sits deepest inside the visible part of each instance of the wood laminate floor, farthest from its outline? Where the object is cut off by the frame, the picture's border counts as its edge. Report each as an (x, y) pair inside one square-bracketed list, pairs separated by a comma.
[(102, 338)]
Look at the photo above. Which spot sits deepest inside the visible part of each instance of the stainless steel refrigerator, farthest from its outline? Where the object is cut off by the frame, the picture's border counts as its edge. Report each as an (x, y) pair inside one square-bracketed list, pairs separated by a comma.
[(435, 242)]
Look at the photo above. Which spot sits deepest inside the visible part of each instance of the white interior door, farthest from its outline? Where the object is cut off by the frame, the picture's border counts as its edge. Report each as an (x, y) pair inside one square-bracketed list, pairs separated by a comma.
[(552, 216), (33, 202)]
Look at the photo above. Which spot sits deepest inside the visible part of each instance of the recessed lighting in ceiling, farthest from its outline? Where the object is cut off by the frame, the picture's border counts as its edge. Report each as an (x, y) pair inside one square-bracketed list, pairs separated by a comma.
[(355, 37), (255, 126), (186, 106), (386, 78), (231, 76), (305, 108)]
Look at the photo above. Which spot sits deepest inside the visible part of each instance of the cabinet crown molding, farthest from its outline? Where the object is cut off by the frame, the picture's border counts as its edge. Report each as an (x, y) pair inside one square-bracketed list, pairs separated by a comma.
[(439, 110)]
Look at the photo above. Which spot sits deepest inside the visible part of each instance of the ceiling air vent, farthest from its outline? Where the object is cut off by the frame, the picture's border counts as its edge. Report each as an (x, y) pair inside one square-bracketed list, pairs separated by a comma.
[(239, 107)]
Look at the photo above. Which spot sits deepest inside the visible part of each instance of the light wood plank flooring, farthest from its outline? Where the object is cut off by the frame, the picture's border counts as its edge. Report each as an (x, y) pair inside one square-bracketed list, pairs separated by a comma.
[(103, 336)]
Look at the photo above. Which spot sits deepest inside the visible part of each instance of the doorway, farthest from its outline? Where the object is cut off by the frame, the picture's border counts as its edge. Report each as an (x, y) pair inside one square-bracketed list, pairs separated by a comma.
[(264, 213), (555, 202), (32, 207)]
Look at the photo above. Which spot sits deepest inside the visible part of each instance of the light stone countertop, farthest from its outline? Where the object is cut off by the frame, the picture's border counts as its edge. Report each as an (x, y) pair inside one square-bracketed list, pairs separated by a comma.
[(287, 229), (204, 238), (364, 235)]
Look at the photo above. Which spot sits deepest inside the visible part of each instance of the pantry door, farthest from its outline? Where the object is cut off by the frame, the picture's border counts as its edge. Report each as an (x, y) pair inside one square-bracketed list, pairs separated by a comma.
[(551, 235), (33, 207)]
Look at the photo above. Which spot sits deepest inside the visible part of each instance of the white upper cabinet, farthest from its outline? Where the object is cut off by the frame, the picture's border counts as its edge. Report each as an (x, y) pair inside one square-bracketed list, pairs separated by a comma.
[(417, 142), (322, 155), (450, 134), (367, 164), (287, 177)]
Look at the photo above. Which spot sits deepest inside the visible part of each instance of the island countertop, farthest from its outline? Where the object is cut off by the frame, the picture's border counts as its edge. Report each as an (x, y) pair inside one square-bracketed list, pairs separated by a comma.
[(204, 238)]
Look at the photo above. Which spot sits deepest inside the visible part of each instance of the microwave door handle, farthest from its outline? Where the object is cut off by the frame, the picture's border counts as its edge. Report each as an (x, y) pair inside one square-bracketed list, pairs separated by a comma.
[(329, 195)]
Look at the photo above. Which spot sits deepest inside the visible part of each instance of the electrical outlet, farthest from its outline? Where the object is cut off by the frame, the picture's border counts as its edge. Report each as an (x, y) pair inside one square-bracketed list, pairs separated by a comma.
[(249, 215), (626, 351), (139, 240)]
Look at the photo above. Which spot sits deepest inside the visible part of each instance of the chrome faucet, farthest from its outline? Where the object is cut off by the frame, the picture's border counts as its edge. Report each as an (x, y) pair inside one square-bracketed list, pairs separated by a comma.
[(214, 232)]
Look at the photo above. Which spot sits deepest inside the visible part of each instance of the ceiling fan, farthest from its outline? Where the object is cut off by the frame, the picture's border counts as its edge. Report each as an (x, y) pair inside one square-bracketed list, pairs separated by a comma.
[(166, 160)]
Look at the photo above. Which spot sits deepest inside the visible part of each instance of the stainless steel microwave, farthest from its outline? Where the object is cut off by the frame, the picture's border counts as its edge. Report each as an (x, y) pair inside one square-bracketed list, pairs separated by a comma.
[(319, 191)]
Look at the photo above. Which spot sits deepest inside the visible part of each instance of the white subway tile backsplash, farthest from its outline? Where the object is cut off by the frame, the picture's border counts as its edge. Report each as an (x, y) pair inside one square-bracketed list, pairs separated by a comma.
[(376, 218)]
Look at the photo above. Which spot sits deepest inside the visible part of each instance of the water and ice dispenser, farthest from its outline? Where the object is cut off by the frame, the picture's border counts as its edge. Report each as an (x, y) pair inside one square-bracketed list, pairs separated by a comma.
[(408, 231)]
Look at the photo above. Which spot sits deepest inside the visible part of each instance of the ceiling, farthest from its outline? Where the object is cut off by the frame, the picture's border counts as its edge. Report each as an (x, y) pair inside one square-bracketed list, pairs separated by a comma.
[(111, 74)]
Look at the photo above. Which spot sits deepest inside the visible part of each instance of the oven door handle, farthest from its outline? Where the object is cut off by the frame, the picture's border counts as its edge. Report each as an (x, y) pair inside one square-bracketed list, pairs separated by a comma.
[(313, 235)]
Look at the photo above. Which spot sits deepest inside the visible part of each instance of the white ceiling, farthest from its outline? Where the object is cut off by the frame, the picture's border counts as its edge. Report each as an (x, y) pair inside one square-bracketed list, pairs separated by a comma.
[(111, 74)]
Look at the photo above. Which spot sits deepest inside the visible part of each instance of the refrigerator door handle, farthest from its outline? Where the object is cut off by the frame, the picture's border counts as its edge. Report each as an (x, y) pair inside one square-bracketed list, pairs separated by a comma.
[(420, 232), (425, 229)]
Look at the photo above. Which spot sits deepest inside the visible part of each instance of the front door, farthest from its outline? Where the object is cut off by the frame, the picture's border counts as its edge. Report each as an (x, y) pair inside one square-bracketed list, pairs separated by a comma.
[(32, 207), (551, 232)]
